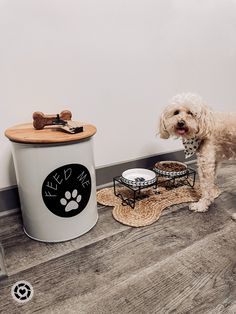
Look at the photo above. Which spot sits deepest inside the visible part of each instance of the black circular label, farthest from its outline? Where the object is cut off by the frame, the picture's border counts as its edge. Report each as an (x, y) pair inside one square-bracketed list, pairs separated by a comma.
[(66, 190)]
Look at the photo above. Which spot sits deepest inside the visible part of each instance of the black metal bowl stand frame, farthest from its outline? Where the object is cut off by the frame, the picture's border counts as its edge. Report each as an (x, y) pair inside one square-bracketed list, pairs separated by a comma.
[(169, 182)]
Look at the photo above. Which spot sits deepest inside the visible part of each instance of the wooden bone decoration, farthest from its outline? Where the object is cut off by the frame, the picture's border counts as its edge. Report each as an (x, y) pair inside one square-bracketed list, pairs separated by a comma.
[(62, 121)]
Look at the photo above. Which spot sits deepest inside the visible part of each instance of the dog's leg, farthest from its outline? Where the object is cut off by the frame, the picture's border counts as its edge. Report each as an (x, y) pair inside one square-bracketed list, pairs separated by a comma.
[(217, 190), (206, 170)]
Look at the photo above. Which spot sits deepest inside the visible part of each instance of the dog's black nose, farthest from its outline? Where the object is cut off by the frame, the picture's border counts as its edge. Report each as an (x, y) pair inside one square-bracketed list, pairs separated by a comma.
[(181, 123)]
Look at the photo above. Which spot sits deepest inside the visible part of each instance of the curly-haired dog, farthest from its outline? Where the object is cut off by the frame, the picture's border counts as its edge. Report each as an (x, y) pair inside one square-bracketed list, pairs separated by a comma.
[(212, 135)]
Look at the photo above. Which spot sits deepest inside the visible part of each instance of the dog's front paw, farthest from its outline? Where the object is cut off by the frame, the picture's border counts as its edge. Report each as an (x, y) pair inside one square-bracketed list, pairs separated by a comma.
[(200, 207), (216, 192)]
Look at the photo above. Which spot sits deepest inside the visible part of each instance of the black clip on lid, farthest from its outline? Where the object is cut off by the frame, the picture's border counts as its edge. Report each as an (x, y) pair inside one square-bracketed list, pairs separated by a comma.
[(59, 121)]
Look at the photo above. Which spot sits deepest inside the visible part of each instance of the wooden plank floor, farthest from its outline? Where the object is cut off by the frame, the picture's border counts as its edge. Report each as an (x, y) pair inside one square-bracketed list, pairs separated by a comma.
[(184, 263)]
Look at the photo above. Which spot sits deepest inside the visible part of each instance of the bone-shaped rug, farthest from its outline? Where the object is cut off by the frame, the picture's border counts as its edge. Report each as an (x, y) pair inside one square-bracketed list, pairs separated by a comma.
[(149, 209)]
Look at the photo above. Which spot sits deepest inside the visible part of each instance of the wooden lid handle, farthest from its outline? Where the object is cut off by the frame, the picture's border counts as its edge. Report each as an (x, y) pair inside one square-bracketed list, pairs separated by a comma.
[(40, 120)]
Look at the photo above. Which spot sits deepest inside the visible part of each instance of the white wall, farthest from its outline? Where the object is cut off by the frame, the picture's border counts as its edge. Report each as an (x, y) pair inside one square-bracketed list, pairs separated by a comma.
[(113, 63)]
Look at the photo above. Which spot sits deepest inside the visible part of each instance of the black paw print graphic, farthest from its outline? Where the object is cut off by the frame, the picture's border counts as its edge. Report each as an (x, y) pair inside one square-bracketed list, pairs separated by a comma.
[(71, 200)]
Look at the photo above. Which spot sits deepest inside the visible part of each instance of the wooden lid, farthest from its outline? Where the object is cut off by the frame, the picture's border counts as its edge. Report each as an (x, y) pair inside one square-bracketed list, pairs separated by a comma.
[(25, 133)]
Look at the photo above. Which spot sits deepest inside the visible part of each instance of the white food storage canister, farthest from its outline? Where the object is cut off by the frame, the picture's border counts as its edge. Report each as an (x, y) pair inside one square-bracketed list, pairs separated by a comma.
[(56, 181)]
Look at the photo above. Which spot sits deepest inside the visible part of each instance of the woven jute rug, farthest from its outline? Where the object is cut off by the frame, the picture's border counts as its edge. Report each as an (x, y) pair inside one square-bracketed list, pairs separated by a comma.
[(149, 209)]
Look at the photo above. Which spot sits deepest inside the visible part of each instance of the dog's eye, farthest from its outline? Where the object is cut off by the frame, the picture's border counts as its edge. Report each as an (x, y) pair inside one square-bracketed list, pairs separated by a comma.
[(189, 112), (176, 112)]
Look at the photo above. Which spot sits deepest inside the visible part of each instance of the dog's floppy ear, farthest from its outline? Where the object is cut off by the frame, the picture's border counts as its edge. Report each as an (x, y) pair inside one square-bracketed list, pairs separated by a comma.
[(205, 122), (162, 129)]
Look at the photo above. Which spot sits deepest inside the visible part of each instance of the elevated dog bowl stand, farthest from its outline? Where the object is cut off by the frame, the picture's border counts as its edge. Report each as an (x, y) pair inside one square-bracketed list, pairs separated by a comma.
[(169, 182), (56, 181), (135, 191)]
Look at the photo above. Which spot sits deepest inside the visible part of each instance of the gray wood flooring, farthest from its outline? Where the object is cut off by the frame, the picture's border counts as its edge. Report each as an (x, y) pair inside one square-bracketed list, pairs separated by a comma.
[(184, 263)]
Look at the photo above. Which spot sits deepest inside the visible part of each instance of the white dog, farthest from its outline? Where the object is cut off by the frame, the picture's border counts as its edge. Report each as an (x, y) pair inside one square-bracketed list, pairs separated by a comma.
[(212, 135)]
